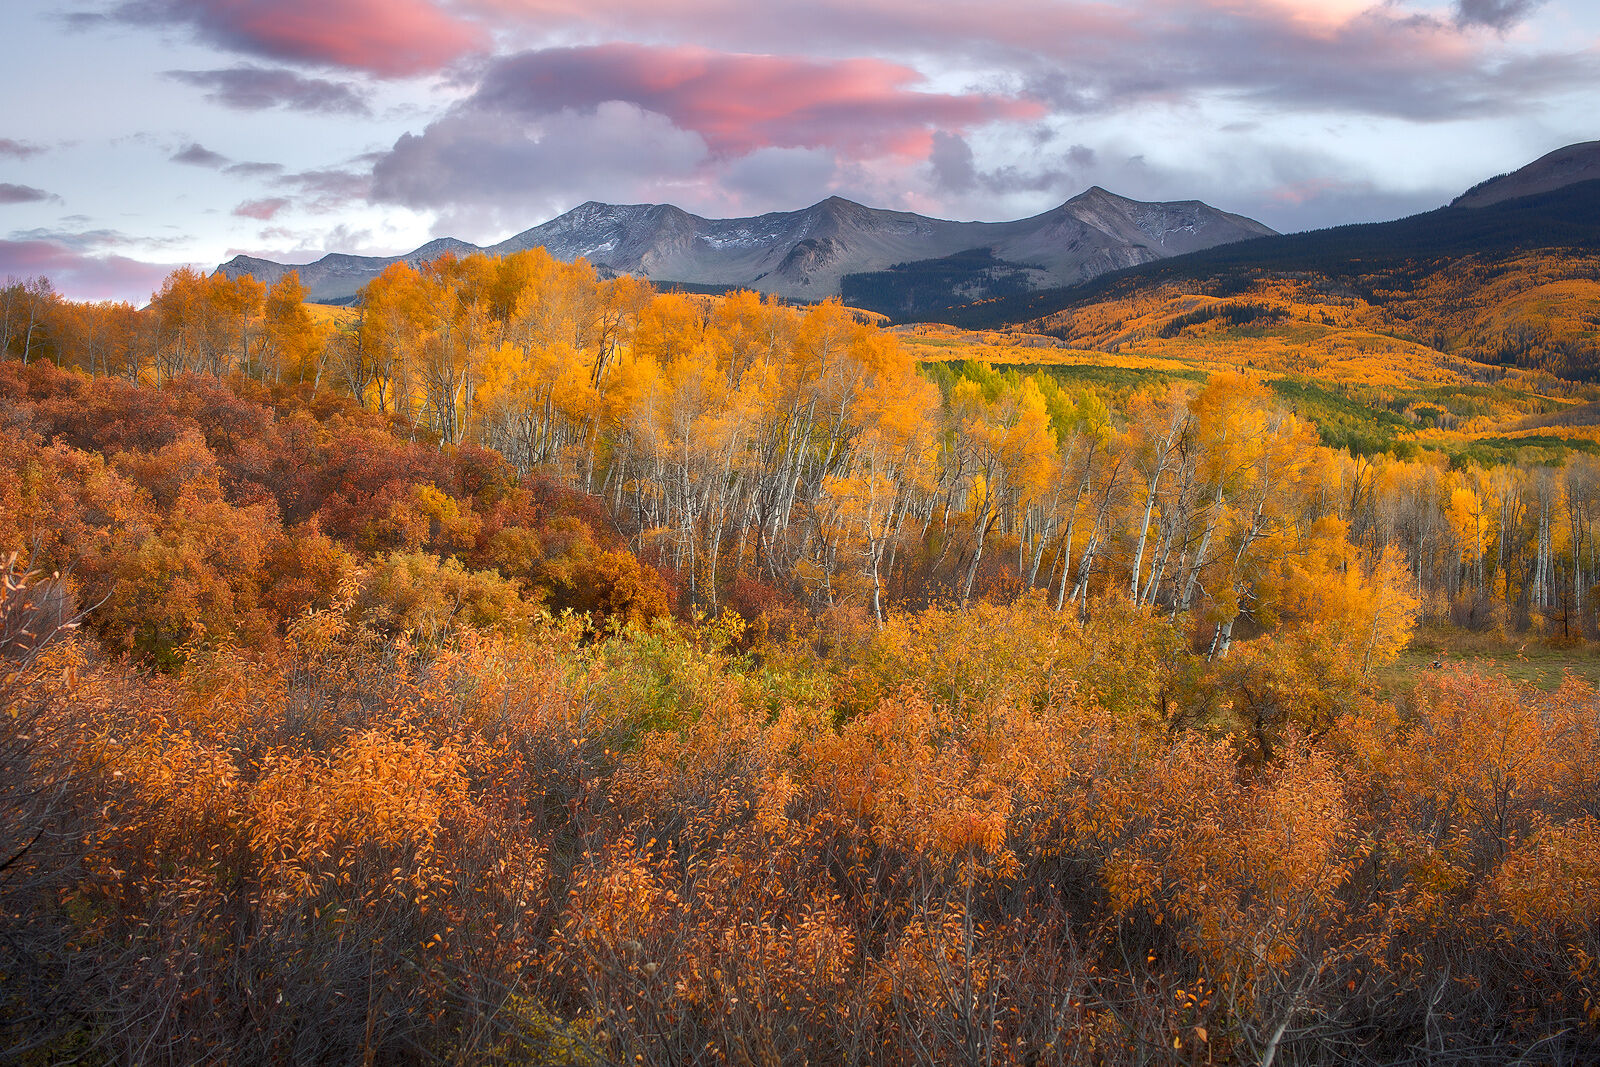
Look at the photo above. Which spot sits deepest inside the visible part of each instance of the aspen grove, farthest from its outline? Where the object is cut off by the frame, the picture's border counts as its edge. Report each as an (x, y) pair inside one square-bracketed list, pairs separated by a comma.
[(522, 666)]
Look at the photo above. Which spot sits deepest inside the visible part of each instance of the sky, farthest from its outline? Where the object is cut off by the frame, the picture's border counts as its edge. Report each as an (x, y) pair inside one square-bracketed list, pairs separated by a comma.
[(145, 134)]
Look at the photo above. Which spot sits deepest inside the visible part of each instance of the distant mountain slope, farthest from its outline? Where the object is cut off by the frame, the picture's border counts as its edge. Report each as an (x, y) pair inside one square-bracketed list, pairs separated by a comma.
[(1567, 218), (1565, 166), (1513, 282), (335, 278), (1090, 235), (809, 253)]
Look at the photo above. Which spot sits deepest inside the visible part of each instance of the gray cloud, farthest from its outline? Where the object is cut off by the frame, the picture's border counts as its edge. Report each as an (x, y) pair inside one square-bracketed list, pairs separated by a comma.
[(1413, 68), (545, 129), (741, 103), (96, 240), (953, 164), (253, 170), (18, 149), (1498, 15), (777, 177), (286, 245), (471, 157), (79, 274), (197, 155), (322, 191), (23, 194), (248, 88), (954, 167), (1288, 189), (724, 103)]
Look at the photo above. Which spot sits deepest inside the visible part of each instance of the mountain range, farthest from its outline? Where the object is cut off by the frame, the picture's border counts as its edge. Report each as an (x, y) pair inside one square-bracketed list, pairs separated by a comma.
[(1550, 206), (910, 266), (909, 260), (1509, 274)]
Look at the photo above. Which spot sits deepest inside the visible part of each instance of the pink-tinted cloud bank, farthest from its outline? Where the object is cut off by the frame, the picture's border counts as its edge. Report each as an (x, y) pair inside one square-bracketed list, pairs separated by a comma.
[(79, 274), (739, 103), (389, 38)]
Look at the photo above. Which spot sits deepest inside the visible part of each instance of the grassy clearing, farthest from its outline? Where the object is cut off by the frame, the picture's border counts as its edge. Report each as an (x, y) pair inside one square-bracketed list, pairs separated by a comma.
[(1531, 660)]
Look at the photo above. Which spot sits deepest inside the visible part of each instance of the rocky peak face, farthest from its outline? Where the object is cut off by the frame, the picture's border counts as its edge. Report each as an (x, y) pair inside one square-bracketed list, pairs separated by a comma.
[(807, 253)]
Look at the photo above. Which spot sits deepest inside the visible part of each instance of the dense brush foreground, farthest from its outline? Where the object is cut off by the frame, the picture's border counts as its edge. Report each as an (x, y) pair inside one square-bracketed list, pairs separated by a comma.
[(535, 669)]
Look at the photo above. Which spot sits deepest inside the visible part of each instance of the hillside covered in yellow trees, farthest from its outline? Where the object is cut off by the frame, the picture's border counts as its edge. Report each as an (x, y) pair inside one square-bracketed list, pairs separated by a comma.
[(526, 667)]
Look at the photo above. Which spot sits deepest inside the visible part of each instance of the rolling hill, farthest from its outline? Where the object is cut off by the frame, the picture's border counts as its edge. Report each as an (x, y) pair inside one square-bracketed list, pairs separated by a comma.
[(1563, 167), (1513, 282)]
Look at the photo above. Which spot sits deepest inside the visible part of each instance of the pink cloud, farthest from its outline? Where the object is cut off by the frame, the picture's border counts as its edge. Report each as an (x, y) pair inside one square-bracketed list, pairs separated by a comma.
[(391, 38), (261, 209), (740, 103), (80, 276), (1300, 193), (1095, 56)]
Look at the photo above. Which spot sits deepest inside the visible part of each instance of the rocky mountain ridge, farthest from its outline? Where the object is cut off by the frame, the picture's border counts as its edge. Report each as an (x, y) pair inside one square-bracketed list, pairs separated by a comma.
[(808, 254)]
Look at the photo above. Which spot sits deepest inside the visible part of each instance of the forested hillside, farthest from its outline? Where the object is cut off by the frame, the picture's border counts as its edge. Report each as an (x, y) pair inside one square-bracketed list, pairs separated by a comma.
[(763, 455), (524, 667), (1515, 284)]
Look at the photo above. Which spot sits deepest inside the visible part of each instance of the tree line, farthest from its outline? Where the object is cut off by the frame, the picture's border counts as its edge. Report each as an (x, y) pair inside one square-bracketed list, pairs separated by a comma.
[(756, 450)]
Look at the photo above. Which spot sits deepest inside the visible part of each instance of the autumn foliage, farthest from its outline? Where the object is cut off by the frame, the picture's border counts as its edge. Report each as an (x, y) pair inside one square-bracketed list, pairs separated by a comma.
[(562, 672), (528, 847)]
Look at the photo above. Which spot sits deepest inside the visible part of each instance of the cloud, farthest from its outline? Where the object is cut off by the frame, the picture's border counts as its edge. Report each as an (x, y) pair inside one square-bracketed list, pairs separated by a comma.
[(739, 103), (954, 166), (1500, 15), (197, 155), (23, 194), (781, 178), (683, 102), (473, 157), (389, 38), (81, 276), (18, 149), (76, 240), (1370, 57), (248, 88), (253, 170), (544, 130), (328, 189), (261, 209), (1377, 63), (284, 245), (96, 240), (1290, 189), (972, 136)]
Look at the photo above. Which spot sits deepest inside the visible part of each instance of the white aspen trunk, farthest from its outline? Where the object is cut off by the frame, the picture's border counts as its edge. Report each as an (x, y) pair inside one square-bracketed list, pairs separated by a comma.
[(1144, 533)]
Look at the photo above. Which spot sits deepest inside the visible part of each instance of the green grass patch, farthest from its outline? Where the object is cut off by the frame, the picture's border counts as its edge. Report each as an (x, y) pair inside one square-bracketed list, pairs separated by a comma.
[(1113, 385), (1537, 450), (1344, 421), (1530, 661), (1466, 400)]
